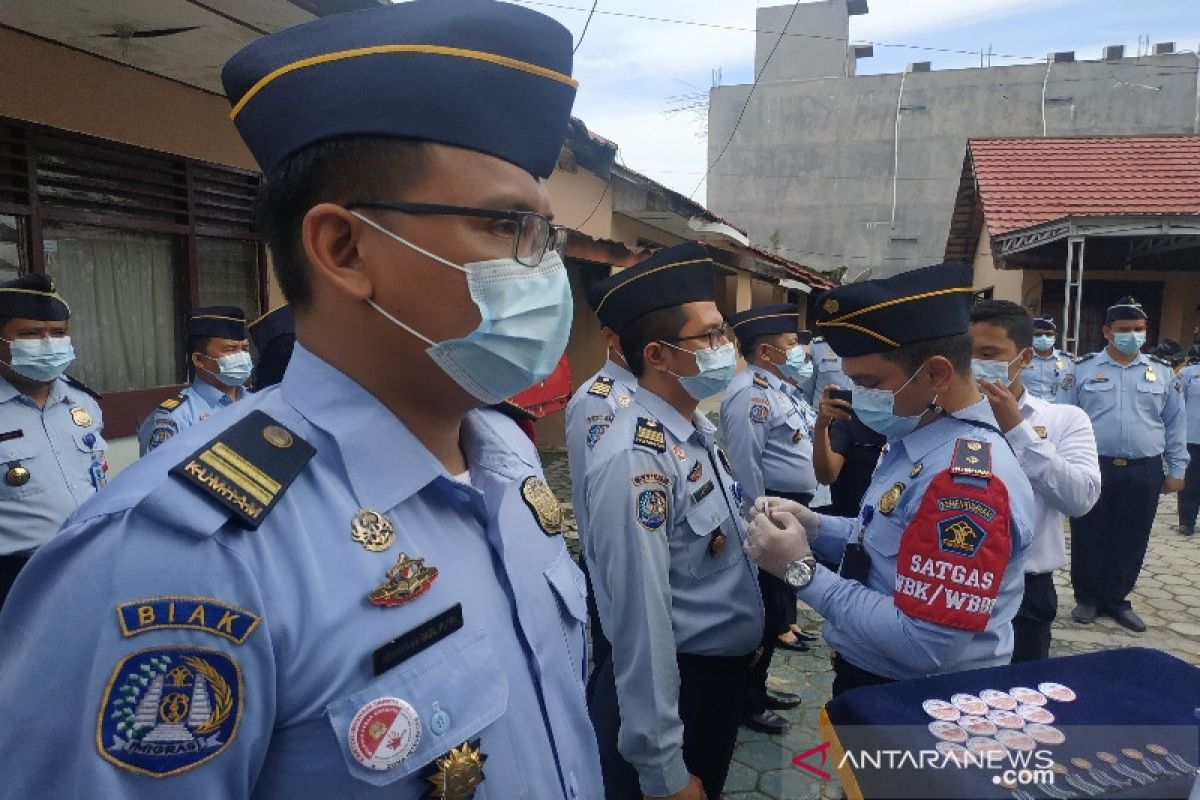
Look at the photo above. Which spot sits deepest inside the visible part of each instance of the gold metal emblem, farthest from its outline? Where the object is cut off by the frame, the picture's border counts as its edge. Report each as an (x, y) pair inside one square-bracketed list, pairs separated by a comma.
[(277, 436), (916, 470), (1150, 376), (797, 437), (544, 505), (623, 401), (831, 306), (887, 500), (716, 544), (407, 580), (974, 446), (1058, 363), (1040, 430), (16, 475), (371, 529), (458, 773), (81, 417)]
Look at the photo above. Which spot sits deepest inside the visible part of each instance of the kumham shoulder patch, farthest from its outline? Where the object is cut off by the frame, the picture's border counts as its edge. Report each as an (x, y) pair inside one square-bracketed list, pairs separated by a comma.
[(247, 467), (954, 552)]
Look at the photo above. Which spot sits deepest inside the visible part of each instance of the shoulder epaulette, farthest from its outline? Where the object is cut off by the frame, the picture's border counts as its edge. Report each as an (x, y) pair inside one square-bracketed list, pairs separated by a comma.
[(1163, 361), (172, 403), (601, 387), (973, 458), (1068, 354), (649, 433), (247, 467), (1081, 359), (760, 381), (514, 411), (74, 384), (816, 339)]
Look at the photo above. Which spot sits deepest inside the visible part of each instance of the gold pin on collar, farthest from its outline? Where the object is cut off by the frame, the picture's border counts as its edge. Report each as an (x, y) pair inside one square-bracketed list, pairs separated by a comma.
[(372, 530)]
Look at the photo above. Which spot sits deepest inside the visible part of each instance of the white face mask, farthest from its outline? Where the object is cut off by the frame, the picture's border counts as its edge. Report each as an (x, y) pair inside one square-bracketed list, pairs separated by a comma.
[(524, 321)]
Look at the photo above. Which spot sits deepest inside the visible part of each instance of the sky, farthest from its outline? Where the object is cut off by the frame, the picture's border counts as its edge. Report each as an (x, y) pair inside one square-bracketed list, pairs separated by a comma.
[(636, 74)]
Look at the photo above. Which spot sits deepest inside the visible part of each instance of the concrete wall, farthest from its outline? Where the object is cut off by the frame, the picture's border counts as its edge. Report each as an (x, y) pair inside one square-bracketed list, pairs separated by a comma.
[(813, 159), (818, 51)]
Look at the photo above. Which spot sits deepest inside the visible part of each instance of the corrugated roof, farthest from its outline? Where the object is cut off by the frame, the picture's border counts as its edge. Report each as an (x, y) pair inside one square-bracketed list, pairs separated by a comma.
[(1027, 182)]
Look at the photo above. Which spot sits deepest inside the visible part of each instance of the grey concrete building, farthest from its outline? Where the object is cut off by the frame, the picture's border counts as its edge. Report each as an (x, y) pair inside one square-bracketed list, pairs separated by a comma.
[(836, 169)]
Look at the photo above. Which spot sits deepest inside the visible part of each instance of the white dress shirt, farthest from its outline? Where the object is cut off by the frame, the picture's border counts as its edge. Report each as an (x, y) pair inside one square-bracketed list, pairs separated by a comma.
[(1057, 449)]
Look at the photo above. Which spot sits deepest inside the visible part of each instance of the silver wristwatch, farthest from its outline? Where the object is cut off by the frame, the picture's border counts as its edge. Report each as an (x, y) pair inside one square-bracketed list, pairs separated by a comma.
[(800, 572)]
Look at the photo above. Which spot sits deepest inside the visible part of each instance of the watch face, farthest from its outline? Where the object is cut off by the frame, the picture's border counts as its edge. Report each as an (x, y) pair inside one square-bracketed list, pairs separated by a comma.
[(799, 573)]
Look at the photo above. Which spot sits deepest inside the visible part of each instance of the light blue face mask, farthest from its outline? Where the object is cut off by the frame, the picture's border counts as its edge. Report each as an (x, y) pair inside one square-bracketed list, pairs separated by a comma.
[(716, 370), (797, 365), (234, 368), (989, 370), (1129, 342), (41, 360), (524, 321), (1043, 343), (876, 409)]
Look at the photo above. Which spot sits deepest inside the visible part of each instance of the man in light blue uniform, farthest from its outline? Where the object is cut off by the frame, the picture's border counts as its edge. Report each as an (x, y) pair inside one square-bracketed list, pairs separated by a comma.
[(219, 358), (589, 414), (1136, 406), (931, 570), (352, 584), (827, 369), (766, 426), (51, 450), (1189, 496), (677, 597), (1050, 366)]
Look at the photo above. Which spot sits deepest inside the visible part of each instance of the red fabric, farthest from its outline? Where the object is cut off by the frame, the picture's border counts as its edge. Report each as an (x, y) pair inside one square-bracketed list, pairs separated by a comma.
[(953, 553), (550, 395)]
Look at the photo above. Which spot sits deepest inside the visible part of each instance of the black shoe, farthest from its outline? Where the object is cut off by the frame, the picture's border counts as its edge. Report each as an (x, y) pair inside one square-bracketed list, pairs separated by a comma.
[(1187, 530), (796, 646), (781, 701), (1127, 619), (1084, 613), (767, 722), (805, 636)]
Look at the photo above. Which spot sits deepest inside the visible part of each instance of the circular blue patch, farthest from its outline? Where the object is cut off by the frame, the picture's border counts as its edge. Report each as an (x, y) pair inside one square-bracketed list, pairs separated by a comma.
[(167, 710), (652, 509)]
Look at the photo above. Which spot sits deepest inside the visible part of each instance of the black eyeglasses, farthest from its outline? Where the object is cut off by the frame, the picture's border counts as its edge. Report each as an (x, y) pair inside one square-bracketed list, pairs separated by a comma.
[(532, 234), (716, 337)]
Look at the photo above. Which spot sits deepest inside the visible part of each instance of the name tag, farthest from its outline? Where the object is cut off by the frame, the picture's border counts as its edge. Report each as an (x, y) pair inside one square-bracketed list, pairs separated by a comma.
[(422, 637)]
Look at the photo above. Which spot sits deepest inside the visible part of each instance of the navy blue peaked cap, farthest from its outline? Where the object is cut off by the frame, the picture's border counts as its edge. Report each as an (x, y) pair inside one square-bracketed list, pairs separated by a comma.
[(278, 322), (480, 74), (885, 314), (223, 322), (1044, 324), (765, 321), (1125, 308), (33, 297), (673, 276)]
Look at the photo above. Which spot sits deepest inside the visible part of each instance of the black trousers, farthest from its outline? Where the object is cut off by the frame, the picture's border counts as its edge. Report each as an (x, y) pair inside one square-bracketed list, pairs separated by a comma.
[(779, 614), (847, 676), (1031, 625), (711, 701), (10, 566), (1108, 544), (1189, 498), (600, 644)]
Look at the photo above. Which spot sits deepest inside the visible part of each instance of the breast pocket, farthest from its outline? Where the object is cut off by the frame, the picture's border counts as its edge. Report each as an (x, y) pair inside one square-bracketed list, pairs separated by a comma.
[(710, 547), (21, 468), (1151, 396), (391, 732), (1095, 396), (566, 582)]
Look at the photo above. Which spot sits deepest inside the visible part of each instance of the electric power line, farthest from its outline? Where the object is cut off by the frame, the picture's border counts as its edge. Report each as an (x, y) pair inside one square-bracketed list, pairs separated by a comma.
[(586, 23)]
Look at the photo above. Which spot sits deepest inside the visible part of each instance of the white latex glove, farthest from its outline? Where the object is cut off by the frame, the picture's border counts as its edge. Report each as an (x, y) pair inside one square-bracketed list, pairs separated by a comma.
[(808, 519), (775, 541)]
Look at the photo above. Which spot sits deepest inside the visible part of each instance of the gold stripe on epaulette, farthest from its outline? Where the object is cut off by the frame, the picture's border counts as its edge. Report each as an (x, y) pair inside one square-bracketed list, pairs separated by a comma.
[(427, 49)]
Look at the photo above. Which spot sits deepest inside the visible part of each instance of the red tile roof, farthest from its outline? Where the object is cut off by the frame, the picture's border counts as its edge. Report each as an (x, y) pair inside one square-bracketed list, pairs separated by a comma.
[(1027, 182)]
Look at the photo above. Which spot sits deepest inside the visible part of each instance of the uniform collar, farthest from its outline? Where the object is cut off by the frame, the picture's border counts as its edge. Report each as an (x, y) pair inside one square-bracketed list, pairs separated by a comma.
[(207, 392), (1106, 358), (679, 426), (58, 392), (1030, 405), (923, 441), (619, 374), (1054, 353), (384, 462)]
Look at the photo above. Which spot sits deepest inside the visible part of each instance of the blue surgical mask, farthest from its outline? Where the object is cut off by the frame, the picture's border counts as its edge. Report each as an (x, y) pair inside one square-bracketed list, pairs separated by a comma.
[(1129, 342), (41, 360), (876, 409), (234, 368), (524, 321), (716, 370), (797, 365), (989, 370), (1043, 343)]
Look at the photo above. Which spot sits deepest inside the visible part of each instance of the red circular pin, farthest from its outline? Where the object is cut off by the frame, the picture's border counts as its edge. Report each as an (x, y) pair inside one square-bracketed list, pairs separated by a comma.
[(384, 732)]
